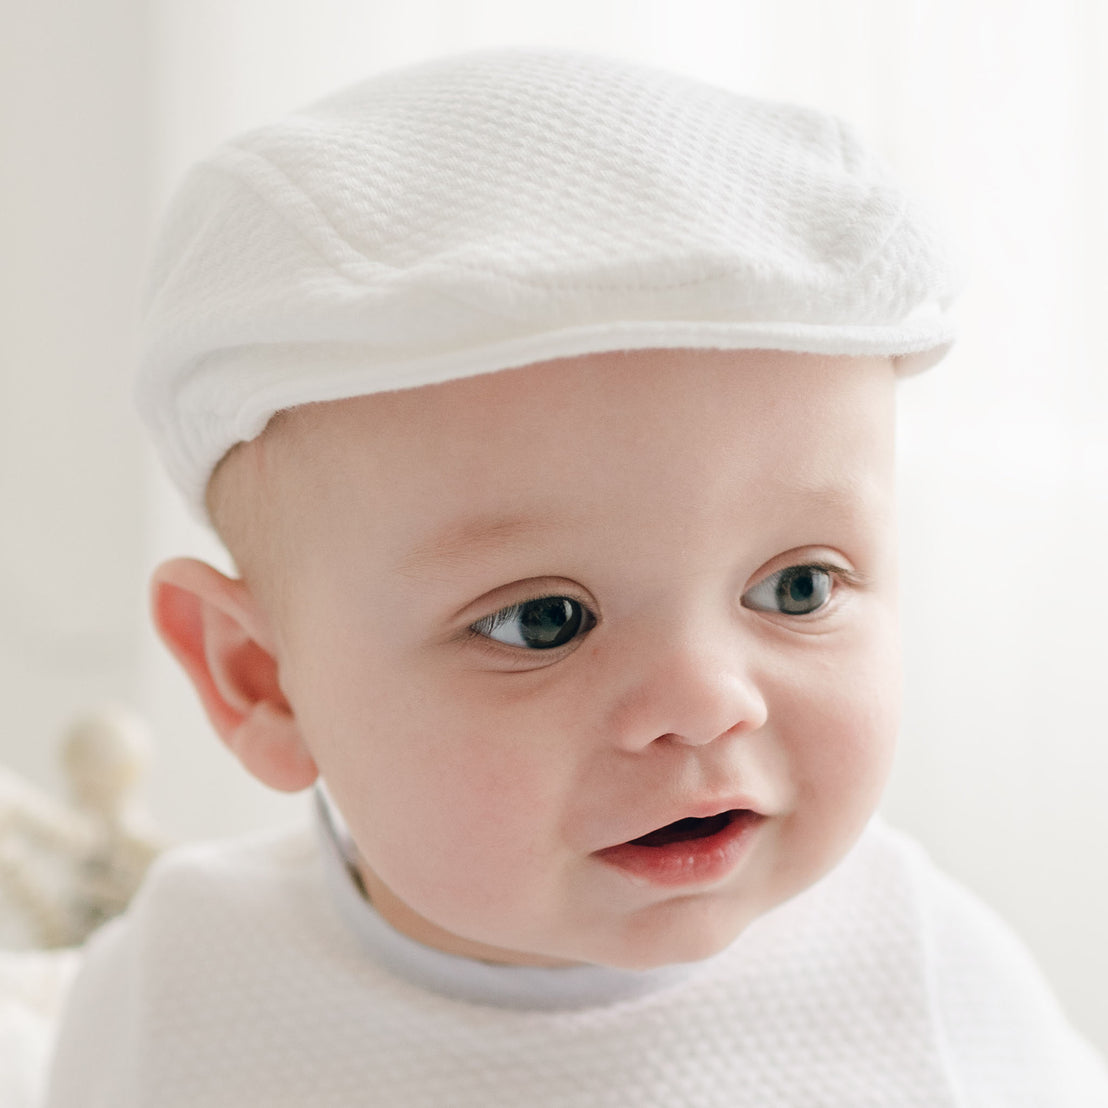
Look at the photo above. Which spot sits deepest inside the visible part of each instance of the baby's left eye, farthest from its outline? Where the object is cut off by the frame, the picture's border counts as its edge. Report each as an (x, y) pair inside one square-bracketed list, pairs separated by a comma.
[(795, 591), (542, 624)]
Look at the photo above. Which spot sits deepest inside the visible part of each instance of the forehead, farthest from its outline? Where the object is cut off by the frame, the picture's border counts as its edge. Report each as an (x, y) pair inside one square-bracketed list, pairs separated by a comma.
[(636, 430), (638, 400)]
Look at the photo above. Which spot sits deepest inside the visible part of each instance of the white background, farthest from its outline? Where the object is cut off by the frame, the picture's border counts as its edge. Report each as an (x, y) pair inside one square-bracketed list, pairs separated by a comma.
[(997, 111)]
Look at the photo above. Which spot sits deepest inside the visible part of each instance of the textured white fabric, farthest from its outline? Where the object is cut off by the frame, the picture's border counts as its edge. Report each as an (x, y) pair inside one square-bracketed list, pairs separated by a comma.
[(496, 209), (234, 981), (33, 985)]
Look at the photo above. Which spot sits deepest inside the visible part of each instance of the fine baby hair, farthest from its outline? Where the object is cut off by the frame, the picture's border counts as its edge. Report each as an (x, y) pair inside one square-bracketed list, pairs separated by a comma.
[(558, 392)]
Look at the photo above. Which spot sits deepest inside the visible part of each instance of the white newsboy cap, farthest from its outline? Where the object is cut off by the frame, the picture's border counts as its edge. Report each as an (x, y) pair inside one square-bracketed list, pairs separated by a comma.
[(489, 210)]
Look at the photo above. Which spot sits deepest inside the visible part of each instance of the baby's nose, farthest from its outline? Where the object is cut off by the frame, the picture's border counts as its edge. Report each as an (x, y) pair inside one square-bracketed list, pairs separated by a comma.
[(689, 694)]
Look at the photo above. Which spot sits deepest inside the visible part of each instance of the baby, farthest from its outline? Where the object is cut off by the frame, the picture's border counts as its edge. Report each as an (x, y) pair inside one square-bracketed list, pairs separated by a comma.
[(545, 404)]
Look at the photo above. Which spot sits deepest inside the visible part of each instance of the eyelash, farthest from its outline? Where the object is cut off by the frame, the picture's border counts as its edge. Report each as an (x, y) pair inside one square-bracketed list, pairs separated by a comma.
[(580, 620), (837, 574), (481, 630)]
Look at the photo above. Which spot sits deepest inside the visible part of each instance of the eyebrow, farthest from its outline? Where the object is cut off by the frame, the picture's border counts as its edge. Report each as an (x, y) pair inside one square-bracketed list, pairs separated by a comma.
[(468, 540)]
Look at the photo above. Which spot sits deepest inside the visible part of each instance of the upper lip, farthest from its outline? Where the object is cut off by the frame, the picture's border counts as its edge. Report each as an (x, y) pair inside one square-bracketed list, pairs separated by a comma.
[(695, 810)]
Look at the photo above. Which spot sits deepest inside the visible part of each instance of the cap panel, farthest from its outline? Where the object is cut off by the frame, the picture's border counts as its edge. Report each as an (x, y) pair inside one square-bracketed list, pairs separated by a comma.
[(479, 212)]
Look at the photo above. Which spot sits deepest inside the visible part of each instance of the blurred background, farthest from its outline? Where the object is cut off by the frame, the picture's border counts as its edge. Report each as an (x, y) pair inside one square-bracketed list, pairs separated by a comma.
[(997, 112)]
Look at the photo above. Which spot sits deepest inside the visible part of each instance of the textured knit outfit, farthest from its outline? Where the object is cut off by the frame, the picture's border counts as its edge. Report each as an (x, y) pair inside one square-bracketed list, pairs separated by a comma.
[(256, 974)]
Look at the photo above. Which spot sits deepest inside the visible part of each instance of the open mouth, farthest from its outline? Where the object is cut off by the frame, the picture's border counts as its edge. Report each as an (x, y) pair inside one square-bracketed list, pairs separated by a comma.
[(685, 830), (689, 851)]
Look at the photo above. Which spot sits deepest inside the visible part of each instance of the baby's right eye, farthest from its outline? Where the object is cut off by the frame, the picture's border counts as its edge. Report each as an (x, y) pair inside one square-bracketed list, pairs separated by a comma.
[(541, 624)]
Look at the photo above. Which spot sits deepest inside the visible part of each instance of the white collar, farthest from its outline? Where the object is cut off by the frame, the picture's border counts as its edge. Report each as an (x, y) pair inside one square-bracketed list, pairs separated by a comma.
[(505, 986)]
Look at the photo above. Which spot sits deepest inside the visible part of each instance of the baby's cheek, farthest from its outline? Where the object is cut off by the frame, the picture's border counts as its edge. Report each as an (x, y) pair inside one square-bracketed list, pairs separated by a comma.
[(473, 826), (844, 746)]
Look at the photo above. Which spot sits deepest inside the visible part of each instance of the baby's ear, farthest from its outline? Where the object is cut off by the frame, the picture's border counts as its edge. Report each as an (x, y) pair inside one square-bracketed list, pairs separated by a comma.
[(215, 629)]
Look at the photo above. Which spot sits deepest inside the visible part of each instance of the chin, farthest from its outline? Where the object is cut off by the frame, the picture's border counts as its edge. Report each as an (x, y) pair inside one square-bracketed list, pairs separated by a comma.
[(673, 938)]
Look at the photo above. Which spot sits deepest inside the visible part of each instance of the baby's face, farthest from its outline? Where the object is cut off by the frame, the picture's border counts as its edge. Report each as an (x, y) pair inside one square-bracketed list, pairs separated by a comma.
[(598, 658)]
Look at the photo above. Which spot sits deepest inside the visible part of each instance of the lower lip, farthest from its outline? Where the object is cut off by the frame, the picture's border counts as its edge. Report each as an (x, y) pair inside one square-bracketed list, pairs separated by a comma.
[(692, 862)]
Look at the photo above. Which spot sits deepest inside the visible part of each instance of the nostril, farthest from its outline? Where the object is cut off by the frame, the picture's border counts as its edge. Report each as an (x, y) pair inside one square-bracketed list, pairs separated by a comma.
[(710, 735), (688, 705)]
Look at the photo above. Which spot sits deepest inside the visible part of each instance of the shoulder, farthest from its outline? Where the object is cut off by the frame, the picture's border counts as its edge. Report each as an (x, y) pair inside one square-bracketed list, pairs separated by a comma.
[(216, 937), (964, 941), (997, 1022), (250, 871), (225, 902)]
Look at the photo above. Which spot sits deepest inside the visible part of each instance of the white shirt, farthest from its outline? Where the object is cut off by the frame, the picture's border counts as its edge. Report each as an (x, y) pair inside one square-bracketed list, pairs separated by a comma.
[(255, 974)]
